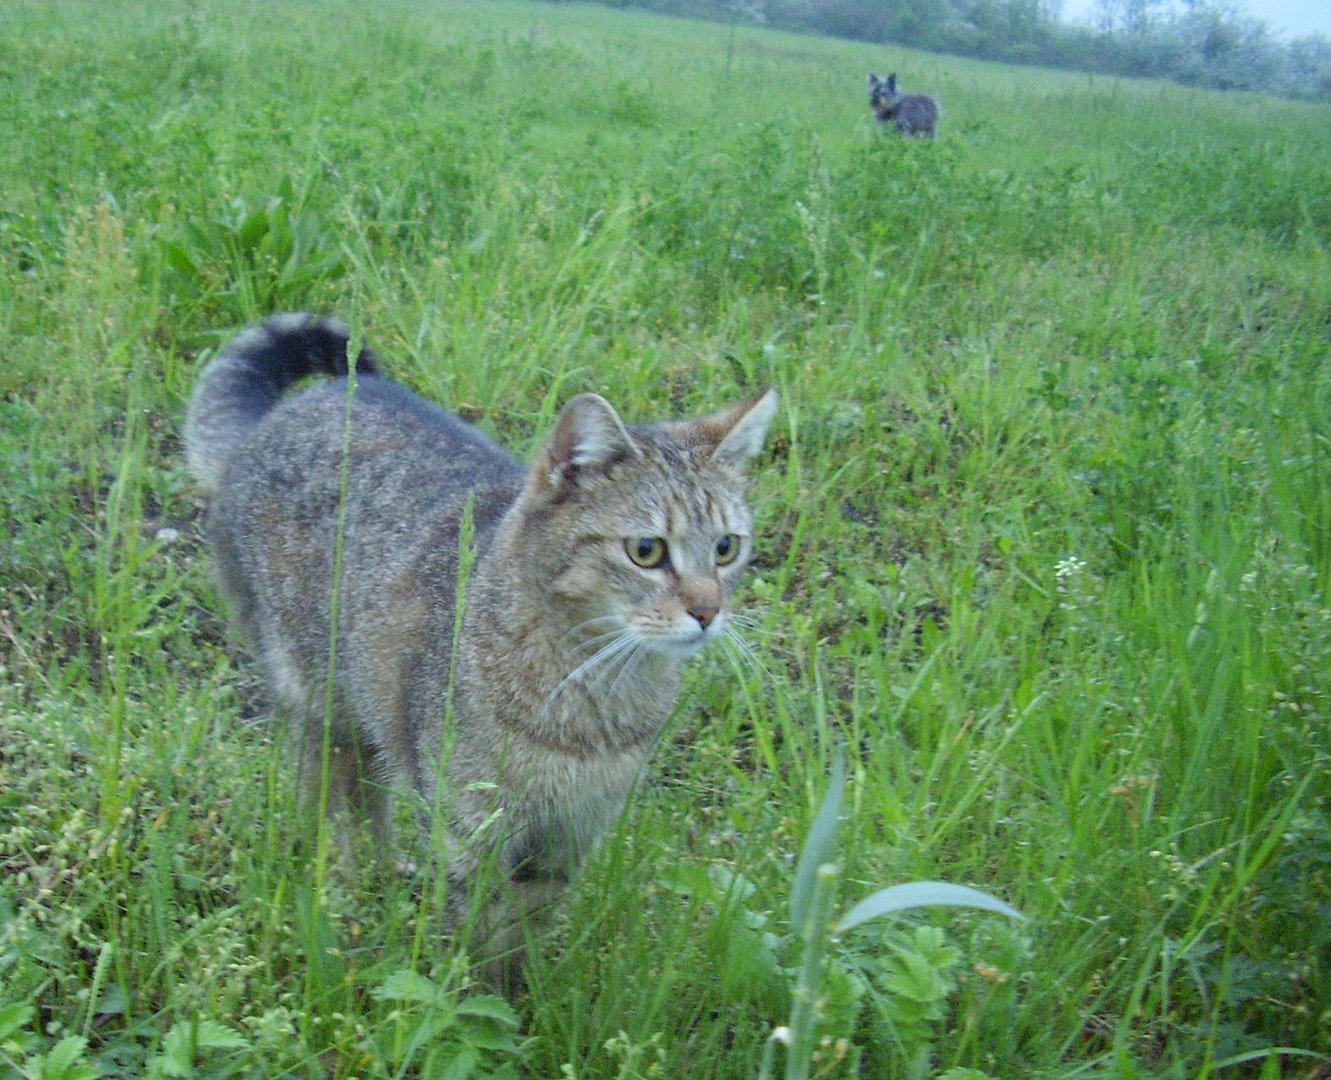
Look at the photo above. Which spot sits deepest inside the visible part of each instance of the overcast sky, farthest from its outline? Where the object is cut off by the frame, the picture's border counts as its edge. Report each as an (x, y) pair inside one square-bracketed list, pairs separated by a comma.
[(1288, 18)]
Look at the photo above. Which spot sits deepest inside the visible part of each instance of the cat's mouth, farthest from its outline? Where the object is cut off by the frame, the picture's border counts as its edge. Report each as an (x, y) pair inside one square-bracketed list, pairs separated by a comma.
[(684, 641)]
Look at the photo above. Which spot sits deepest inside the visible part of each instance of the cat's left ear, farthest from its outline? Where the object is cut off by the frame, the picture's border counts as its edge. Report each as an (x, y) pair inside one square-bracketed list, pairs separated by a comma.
[(740, 430)]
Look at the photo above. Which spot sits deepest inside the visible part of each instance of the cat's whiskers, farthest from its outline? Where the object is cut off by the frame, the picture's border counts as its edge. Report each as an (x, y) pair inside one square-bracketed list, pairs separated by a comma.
[(632, 658), (588, 624), (749, 624), (617, 642), (742, 654), (598, 639)]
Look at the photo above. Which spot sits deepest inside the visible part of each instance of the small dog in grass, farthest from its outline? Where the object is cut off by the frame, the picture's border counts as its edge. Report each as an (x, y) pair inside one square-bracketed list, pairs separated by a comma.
[(911, 114)]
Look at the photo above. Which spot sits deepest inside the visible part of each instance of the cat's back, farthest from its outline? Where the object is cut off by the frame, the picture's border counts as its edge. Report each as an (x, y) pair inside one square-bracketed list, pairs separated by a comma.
[(388, 470), (388, 439)]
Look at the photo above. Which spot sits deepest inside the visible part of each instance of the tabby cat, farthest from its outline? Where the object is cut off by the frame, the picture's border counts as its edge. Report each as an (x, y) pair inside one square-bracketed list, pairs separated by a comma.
[(598, 570)]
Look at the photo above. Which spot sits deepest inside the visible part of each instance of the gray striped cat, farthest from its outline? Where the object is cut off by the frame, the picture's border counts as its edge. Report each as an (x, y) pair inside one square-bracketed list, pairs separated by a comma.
[(599, 570)]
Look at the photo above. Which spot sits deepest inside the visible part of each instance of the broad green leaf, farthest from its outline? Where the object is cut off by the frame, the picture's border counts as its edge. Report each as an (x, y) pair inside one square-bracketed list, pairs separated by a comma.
[(931, 943), (918, 894), (407, 985), (820, 845), (14, 1018), (487, 1035), (730, 883), (253, 229), (59, 1061), (490, 1007), (916, 979), (748, 965), (176, 1059), (427, 1032), (217, 1036), (178, 259), (688, 879), (451, 1063)]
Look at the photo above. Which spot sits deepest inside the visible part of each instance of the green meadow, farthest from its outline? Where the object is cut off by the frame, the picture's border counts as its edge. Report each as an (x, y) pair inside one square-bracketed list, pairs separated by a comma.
[(1044, 541)]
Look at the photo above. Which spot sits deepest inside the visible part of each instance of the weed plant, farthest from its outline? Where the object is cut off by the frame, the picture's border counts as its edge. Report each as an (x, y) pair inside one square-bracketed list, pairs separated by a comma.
[(1045, 538)]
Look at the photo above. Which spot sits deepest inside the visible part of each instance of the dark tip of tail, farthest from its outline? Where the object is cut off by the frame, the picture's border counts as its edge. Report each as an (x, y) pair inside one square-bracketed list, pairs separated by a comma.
[(248, 377), (303, 344)]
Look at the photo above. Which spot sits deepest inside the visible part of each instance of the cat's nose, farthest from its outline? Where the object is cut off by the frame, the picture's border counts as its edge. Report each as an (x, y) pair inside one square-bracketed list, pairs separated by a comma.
[(704, 613)]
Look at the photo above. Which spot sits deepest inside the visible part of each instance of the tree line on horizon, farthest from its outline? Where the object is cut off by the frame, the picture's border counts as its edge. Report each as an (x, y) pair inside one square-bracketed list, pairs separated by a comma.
[(1206, 43)]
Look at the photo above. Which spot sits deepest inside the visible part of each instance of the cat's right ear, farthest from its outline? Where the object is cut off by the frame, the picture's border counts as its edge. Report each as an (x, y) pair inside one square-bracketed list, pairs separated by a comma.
[(588, 435), (741, 430)]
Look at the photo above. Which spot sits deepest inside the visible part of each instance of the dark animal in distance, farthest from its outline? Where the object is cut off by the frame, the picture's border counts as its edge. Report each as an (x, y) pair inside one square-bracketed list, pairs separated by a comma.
[(911, 114)]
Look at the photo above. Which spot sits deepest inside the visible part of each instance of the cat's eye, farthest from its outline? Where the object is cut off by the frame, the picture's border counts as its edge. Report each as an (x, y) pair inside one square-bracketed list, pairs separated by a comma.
[(648, 552), (727, 549)]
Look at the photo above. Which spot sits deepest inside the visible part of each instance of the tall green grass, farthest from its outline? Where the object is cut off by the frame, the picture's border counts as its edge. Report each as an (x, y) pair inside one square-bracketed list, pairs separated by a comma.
[(1044, 537)]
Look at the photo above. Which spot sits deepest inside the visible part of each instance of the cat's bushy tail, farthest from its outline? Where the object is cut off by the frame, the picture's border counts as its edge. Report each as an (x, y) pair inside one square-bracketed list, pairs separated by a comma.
[(246, 379)]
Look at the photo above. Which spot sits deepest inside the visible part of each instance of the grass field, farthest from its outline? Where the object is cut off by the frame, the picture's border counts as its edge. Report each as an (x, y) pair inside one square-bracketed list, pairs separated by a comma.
[(1045, 539)]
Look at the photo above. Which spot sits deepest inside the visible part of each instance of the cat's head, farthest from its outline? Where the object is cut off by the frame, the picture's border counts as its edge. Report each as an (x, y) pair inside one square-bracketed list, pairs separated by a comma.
[(637, 535)]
